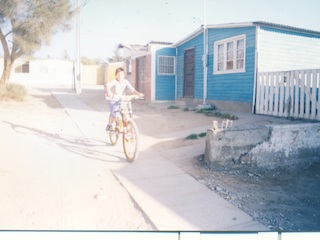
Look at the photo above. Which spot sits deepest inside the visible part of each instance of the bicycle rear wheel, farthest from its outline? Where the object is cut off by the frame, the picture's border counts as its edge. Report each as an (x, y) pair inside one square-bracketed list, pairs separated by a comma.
[(130, 141), (113, 134)]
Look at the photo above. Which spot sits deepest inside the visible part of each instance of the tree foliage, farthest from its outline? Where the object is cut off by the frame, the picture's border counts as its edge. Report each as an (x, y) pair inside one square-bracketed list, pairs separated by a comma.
[(89, 61), (25, 25), (117, 57)]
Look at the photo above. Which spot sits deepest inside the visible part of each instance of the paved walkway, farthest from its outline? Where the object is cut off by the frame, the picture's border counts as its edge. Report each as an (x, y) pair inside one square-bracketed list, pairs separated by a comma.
[(168, 196)]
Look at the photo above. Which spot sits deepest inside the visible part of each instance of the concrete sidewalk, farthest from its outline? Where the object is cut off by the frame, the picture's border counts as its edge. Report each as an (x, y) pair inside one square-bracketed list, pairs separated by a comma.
[(168, 196)]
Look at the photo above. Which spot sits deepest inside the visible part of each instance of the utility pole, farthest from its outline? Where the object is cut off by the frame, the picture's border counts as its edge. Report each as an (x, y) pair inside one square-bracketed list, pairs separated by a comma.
[(78, 84), (204, 54)]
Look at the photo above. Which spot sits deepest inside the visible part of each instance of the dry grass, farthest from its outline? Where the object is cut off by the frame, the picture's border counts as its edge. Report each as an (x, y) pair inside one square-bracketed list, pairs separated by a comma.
[(11, 91)]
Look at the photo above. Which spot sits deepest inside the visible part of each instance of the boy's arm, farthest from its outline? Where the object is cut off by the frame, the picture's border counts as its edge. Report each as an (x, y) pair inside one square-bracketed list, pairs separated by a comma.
[(108, 92)]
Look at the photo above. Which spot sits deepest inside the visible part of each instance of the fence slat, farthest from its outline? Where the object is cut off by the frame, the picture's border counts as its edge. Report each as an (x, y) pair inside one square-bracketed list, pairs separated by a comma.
[(286, 84), (271, 97), (318, 95), (261, 90), (296, 95), (281, 96), (313, 94), (276, 94), (307, 93), (291, 97), (302, 94), (257, 104), (268, 97)]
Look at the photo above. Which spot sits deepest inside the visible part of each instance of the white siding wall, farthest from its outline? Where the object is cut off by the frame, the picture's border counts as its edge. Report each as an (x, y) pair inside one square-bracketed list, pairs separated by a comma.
[(48, 71), (284, 52)]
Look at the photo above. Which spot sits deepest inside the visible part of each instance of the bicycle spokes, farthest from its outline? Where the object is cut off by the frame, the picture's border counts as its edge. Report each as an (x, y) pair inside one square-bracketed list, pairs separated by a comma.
[(130, 141)]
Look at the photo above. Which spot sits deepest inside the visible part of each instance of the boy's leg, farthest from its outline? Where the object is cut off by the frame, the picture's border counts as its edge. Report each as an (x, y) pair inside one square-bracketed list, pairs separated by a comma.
[(114, 109)]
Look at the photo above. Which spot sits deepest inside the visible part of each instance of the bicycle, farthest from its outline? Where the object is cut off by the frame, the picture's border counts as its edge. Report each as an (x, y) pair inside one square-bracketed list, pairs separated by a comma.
[(127, 127)]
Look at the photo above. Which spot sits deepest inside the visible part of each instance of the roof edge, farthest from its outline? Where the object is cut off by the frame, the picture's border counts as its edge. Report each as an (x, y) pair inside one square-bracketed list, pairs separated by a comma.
[(244, 24)]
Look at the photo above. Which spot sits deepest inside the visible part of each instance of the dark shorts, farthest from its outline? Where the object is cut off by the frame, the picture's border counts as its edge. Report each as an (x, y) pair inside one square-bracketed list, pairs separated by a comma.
[(114, 107)]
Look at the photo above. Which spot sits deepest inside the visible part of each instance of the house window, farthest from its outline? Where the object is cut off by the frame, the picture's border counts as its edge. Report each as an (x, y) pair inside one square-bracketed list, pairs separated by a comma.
[(166, 65), (230, 55)]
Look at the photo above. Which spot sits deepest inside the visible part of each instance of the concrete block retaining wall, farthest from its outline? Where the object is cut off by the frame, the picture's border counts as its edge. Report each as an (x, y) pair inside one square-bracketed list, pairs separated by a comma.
[(287, 146)]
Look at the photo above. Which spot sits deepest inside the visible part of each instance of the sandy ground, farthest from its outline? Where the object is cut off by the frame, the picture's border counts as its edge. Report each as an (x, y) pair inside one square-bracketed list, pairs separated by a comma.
[(47, 180), (282, 201), (31, 189)]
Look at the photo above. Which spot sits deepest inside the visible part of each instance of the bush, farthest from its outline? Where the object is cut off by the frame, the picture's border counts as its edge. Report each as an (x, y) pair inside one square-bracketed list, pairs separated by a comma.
[(195, 136), (214, 112), (173, 107), (192, 136), (13, 91), (202, 134)]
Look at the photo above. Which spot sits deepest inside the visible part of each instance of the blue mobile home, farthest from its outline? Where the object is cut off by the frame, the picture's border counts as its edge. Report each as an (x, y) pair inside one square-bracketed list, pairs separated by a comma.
[(235, 54)]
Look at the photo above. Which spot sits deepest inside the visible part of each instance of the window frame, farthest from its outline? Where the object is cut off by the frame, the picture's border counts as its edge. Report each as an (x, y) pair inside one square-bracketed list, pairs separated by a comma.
[(174, 65), (225, 43)]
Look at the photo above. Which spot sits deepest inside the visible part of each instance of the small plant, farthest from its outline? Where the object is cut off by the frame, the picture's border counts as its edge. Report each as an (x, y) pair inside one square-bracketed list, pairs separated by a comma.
[(173, 107), (206, 110), (186, 109), (202, 134), (195, 136), (227, 116), (12, 91), (192, 136), (214, 112)]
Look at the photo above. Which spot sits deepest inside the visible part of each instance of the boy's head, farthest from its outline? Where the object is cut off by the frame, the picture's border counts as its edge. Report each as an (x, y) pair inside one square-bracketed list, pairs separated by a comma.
[(120, 74)]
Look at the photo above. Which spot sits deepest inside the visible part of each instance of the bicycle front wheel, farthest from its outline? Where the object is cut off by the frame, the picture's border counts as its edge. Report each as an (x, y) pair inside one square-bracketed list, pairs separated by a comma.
[(130, 141)]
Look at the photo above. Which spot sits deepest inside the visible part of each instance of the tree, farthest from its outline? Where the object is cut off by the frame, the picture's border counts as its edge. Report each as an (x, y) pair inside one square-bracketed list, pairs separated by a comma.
[(116, 55), (88, 61), (27, 24)]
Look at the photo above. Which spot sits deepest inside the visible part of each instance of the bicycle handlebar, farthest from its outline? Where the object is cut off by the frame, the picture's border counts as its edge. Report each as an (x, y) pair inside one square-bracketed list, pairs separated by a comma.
[(126, 98)]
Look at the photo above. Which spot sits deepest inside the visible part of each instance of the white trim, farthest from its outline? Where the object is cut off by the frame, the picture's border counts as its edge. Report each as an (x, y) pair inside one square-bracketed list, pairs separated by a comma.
[(153, 76), (224, 42), (255, 76), (176, 79)]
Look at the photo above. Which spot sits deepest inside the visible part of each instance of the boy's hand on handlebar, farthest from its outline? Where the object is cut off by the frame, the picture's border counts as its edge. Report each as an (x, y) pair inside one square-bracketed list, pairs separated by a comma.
[(141, 95)]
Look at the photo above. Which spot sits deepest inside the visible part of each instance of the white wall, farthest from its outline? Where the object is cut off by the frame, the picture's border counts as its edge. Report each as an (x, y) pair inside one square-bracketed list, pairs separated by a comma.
[(284, 52)]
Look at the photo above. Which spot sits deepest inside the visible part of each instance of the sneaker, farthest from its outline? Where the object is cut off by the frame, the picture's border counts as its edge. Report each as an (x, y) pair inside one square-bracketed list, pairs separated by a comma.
[(109, 128)]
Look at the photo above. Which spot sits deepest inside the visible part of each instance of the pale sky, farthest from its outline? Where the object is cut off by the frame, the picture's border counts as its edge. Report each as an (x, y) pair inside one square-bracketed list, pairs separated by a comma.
[(106, 23)]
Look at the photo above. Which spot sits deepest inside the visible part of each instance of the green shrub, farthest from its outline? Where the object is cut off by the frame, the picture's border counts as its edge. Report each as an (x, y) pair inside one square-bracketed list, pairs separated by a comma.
[(195, 136), (12, 91), (192, 136), (206, 110), (214, 112), (173, 107), (202, 134)]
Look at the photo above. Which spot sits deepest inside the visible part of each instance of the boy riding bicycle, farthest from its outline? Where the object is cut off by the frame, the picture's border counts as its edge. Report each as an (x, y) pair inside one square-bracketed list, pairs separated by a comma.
[(114, 91)]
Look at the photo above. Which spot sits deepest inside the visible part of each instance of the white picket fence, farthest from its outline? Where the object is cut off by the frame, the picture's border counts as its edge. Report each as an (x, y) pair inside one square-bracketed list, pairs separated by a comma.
[(289, 94)]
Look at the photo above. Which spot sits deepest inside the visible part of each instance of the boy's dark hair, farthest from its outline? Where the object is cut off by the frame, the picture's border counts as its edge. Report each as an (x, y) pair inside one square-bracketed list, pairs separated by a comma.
[(119, 69)]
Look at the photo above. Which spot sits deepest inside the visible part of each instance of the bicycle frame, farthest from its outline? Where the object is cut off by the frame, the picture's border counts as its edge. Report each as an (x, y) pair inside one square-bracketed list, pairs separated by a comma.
[(126, 113)]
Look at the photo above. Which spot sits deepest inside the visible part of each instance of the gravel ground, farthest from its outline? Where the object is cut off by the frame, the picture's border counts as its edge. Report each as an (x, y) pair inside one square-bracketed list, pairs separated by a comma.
[(282, 201)]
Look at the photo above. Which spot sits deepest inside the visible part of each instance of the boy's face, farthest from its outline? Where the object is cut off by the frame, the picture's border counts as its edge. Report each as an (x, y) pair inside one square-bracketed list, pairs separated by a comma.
[(120, 76)]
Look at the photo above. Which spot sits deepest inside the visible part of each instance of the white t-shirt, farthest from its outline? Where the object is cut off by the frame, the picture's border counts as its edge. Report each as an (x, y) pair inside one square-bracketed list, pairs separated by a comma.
[(118, 88)]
